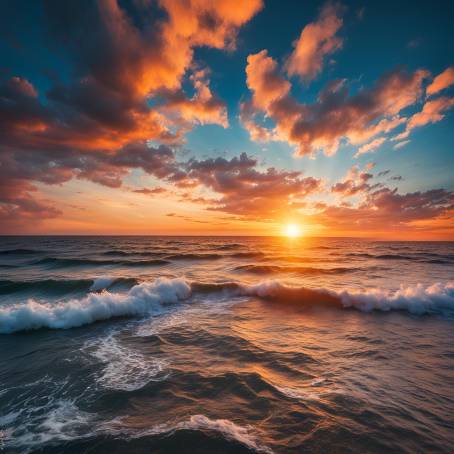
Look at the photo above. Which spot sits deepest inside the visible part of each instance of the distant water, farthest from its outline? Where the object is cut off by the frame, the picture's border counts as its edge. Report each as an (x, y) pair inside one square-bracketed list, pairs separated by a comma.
[(225, 345)]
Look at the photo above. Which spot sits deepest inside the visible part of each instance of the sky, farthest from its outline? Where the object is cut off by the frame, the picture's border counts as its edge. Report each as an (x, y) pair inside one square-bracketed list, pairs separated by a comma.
[(199, 117)]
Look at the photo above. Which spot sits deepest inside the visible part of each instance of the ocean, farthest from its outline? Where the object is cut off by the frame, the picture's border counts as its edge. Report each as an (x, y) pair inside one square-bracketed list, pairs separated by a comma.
[(226, 345)]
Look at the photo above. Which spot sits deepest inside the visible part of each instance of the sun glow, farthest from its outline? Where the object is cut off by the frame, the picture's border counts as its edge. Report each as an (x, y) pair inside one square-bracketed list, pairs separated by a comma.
[(292, 230)]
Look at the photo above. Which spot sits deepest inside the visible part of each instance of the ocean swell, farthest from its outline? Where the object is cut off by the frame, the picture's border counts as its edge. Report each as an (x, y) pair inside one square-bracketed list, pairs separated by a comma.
[(56, 286), (70, 262), (417, 299), (270, 269), (149, 298), (142, 299)]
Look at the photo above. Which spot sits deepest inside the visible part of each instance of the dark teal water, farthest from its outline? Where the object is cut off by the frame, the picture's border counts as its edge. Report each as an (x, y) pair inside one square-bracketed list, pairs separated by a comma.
[(213, 345)]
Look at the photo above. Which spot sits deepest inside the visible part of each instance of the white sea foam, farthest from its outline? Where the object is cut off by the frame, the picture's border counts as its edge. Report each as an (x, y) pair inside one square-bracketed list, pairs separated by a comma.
[(124, 368), (149, 298), (232, 431), (141, 299), (58, 420), (245, 435), (414, 299), (417, 299), (102, 283)]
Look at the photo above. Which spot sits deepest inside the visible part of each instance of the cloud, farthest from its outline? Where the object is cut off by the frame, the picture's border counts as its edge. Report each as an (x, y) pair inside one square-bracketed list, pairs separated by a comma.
[(19, 206), (433, 111), (401, 144), (202, 108), (356, 182), (119, 64), (371, 146), (441, 82), (150, 191), (248, 192), (128, 62), (335, 116), (366, 207), (257, 132), (386, 208), (317, 40)]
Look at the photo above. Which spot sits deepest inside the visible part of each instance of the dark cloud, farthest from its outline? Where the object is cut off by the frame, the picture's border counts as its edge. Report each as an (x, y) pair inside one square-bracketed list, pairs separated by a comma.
[(94, 122)]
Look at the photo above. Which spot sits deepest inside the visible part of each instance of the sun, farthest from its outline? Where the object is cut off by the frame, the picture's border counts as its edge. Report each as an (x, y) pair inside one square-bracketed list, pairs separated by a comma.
[(292, 230)]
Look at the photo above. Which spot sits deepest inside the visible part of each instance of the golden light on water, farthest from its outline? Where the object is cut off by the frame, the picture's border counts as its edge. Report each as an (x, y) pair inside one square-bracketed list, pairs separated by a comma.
[(292, 230)]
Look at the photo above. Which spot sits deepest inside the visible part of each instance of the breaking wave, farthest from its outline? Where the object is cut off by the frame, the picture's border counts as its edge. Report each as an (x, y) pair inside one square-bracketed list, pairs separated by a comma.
[(417, 299), (244, 435), (142, 299), (148, 298)]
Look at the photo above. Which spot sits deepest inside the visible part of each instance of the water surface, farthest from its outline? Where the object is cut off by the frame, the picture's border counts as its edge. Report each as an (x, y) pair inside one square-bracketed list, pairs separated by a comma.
[(176, 344)]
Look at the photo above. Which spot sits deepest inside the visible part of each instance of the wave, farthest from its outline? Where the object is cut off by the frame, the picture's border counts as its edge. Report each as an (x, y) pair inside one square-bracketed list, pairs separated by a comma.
[(228, 247), (244, 435), (150, 297), (119, 252), (125, 369), (247, 255), (269, 269), (20, 251), (142, 299), (56, 420), (48, 285), (151, 262), (202, 256), (417, 299), (69, 262), (425, 257), (57, 286), (228, 429)]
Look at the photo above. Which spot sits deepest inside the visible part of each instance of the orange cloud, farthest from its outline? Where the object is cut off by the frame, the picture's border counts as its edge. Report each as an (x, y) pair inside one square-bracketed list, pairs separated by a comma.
[(202, 108), (334, 116), (356, 182), (317, 40), (94, 126), (442, 81), (432, 112), (371, 146), (119, 66)]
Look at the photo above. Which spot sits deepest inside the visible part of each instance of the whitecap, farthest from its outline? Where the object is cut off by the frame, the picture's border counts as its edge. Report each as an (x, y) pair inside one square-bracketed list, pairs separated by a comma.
[(245, 435), (142, 299)]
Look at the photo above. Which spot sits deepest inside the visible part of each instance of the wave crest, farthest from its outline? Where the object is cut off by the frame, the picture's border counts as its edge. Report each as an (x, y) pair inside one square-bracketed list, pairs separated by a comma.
[(149, 298), (414, 299), (141, 299)]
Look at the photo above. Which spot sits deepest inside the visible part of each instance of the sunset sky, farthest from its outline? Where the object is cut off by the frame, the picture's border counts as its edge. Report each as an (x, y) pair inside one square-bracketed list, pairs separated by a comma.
[(227, 117)]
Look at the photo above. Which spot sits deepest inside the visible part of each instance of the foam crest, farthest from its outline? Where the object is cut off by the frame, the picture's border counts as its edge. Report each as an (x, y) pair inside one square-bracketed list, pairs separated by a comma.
[(229, 429), (416, 299), (244, 435), (102, 283), (142, 299)]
